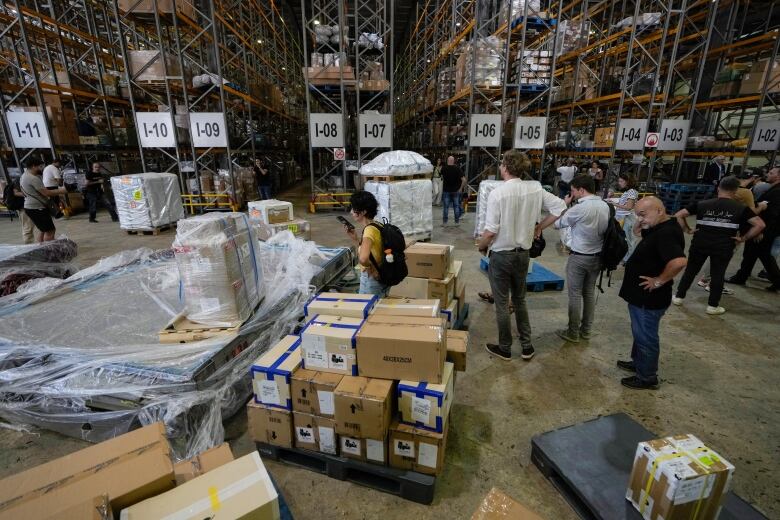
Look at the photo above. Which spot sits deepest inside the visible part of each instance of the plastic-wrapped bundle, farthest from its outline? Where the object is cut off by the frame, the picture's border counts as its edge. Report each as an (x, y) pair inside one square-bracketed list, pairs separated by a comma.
[(397, 162), (22, 263), (485, 188), (371, 41), (221, 280), (147, 200), (518, 8), (406, 204), (109, 374), (488, 66)]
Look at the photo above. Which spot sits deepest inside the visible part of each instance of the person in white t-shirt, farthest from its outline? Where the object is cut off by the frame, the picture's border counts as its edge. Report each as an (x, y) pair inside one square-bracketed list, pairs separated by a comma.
[(513, 210), (52, 178), (567, 173)]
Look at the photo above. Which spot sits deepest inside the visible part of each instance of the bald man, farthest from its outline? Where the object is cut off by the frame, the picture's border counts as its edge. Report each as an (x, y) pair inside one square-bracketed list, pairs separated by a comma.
[(647, 288)]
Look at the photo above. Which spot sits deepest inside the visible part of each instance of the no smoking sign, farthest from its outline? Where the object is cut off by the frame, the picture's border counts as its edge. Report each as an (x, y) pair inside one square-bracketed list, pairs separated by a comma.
[(652, 140), (338, 154)]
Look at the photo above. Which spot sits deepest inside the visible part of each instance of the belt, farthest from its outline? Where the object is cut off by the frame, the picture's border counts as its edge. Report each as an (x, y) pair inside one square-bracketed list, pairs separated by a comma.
[(515, 250), (585, 254)]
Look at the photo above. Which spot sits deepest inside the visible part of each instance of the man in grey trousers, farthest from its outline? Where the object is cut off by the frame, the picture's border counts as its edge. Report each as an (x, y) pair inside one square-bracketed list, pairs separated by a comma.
[(513, 210), (588, 219)]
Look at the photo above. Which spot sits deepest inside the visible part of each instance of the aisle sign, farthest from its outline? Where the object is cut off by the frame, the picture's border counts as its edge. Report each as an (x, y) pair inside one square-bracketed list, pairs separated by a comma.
[(767, 136), (530, 132), (326, 130), (375, 130), (155, 129), (28, 129), (631, 134), (651, 141), (485, 130), (674, 134), (208, 130)]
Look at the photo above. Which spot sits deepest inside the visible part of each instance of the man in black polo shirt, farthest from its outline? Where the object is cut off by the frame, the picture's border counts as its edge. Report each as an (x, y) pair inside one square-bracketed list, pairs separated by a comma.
[(454, 181), (717, 233), (647, 287)]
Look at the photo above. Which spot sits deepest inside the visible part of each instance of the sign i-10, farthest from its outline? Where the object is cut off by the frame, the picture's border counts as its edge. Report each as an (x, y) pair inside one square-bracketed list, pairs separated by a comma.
[(155, 129), (28, 129), (530, 132), (208, 130)]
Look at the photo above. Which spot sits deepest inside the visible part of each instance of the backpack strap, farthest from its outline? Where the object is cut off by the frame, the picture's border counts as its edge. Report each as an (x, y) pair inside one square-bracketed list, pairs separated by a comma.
[(370, 254)]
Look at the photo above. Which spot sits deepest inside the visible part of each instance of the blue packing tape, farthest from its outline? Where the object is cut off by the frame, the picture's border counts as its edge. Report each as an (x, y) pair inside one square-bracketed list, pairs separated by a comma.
[(350, 300), (421, 391), (274, 368)]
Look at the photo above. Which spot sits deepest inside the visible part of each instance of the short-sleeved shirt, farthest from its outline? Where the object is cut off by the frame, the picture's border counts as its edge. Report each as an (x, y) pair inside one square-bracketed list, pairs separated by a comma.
[(92, 176), (567, 173), (452, 178), (51, 176), (745, 196), (660, 245), (630, 194), (376, 242), (717, 223), (32, 187)]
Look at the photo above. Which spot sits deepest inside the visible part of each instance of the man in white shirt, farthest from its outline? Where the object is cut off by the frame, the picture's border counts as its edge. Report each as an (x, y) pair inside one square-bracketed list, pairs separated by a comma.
[(567, 173), (52, 178), (510, 226), (588, 220)]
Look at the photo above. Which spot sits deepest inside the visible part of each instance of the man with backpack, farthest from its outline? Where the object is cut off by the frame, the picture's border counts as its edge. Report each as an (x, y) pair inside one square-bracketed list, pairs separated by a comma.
[(380, 247), (510, 227), (13, 199), (588, 219)]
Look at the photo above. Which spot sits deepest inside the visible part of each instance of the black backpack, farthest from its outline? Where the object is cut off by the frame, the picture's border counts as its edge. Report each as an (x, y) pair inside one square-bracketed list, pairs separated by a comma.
[(393, 243), (614, 249), (10, 199)]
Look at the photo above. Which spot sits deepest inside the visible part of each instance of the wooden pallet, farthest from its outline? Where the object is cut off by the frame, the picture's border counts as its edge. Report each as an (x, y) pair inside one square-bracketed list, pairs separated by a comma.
[(396, 178), (182, 330), (154, 231)]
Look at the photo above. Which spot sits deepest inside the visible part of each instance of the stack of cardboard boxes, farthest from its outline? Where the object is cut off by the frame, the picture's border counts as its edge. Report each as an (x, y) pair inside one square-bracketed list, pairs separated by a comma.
[(367, 378), (134, 474), (270, 217), (536, 67)]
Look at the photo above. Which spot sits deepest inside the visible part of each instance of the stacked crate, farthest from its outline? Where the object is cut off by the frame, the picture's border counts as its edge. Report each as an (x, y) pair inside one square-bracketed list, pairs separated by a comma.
[(676, 196)]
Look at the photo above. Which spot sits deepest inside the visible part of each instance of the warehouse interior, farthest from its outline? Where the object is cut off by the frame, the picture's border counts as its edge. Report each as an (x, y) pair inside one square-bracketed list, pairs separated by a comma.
[(180, 117)]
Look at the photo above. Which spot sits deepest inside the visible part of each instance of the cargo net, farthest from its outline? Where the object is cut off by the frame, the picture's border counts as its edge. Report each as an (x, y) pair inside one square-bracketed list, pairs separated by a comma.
[(81, 356)]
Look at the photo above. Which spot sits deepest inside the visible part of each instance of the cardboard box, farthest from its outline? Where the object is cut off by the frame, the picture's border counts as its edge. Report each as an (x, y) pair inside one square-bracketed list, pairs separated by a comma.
[(424, 288), (426, 260), (427, 406), (678, 477), (407, 307), (270, 425), (457, 346), (298, 227), (402, 347), (443, 289), (364, 407), (163, 6), (417, 450), (97, 508), (239, 489), (127, 468), (456, 269), (450, 314), (341, 304), (460, 297), (312, 392), (753, 81), (155, 71), (271, 373), (603, 136), (196, 466), (315, 433), (271, 211), (328, 345), (498, 506), (366, 450)]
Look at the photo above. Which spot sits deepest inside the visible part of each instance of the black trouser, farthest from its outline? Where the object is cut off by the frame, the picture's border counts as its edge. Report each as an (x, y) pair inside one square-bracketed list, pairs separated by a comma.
[(719, 261), (759, 251), (92, 201)]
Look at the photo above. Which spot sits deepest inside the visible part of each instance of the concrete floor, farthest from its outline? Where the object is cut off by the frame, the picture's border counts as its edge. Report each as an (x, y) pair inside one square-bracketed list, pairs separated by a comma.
[(719, 380)]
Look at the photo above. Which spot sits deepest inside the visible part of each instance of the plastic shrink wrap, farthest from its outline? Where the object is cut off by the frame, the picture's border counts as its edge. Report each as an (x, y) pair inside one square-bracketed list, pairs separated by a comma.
[(19, 264), (221, 279), (406, 204), (145, 201), (485, 189), (82, 357), (397, 162)]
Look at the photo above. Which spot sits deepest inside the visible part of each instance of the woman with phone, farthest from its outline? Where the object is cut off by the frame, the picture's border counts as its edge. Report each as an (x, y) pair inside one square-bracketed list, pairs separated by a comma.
[(364, 210)]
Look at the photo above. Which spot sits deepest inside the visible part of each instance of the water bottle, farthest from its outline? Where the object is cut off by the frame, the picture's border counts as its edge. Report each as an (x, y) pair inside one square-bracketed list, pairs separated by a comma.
[(389, 256)]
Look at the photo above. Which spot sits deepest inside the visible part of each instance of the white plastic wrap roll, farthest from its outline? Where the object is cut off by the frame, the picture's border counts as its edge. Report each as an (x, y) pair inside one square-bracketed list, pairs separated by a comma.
[(406, 204), (397, 162), (147, 200), (485, 188)]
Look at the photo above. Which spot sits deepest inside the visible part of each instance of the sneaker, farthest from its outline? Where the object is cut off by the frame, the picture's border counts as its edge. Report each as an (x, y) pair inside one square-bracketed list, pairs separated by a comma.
[(734, 280), (726, 290), (678, 301), (528, 353), (499, 352), (93, 221), (704, 282), (763, 274), (635, 383), (585, 334), (628, 366), (567, 335), (457, 222), (714, 311)]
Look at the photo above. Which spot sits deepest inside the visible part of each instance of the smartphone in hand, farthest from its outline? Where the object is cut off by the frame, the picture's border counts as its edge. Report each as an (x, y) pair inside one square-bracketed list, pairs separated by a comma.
[(346, 222)]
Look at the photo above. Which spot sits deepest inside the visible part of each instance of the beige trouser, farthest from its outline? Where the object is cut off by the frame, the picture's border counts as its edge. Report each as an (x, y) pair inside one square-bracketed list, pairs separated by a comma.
[(28, 228)]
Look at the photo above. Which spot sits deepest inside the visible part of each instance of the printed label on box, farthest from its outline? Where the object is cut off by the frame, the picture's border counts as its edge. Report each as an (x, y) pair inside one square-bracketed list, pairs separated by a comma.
[(404, 448), (209, 304), (304, 435), (428, 455), (690, 490), (421, 410), (269, 392), (375, 450), (351, 446), (337, 362), (327, 439), (326, 402), (315, 354)]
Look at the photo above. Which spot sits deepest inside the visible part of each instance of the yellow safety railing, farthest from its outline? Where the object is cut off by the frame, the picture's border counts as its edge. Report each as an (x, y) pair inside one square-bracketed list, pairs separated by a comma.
[(329, 200), (191, 201)]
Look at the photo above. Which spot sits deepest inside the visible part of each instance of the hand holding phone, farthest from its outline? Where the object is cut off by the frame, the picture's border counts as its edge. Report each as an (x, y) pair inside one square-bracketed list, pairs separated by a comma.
[(346, 222)]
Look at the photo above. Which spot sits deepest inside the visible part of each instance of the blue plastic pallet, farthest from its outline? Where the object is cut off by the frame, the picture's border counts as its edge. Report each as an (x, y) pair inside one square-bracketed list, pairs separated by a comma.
[(534, 22), (460, 324), (538, 279), (284, 509)]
